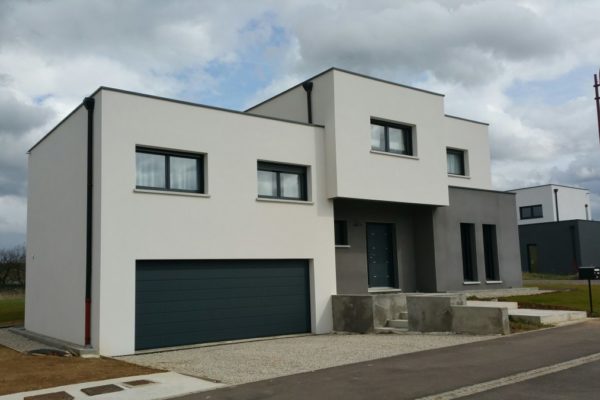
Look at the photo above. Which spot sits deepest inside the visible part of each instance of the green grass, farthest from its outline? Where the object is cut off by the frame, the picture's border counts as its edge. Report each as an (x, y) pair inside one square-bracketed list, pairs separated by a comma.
[(566, 297), (12, 309), (534, 276)]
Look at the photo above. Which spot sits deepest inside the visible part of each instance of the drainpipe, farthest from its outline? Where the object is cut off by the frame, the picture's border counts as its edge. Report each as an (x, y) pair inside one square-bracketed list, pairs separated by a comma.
[(587, 213), (308, 87), (556, 204), (89, 103)]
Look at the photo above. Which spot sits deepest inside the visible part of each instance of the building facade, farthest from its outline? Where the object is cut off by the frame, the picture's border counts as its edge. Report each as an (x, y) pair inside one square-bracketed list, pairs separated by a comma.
[(156, 223), (556, 231)]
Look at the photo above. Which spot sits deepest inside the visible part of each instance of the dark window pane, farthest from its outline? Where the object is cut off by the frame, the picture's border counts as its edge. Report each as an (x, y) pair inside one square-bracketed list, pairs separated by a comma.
[(341, 233), (290, 185), (456, 164), (537, 212), (525, 212), (377, 137), (150, 170), (397, 143), (183, 173), (490, 251), (467, 236), (267, 183)]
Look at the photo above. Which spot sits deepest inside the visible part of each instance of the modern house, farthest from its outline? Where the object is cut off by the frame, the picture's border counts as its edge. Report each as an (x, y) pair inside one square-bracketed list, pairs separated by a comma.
[(556, 233), (154, 222)]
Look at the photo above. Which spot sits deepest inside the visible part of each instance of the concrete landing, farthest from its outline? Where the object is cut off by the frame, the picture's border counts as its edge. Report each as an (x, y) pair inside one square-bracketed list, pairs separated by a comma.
[(546, 317), (493, 304), (398, 323)]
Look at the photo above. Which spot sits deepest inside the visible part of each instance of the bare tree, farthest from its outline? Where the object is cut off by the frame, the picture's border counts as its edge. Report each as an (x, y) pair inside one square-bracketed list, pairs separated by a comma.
[(12, 266)]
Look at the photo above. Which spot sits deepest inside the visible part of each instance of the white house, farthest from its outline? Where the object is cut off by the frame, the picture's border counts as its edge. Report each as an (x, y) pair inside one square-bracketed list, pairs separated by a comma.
[(551, 203), (154, 222)]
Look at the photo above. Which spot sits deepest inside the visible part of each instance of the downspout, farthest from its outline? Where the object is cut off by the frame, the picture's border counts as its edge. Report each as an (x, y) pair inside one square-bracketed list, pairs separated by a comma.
[(308, 87), (89, 104), (556, 204)]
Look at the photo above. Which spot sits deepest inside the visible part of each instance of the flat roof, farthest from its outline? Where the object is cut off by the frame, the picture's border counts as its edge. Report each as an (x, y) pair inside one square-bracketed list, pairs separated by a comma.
[(346, 72), (188, 103), (548, 184)]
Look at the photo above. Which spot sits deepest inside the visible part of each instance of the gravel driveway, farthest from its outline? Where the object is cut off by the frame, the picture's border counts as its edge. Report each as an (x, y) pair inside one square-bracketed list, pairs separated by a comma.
[(257, 360)]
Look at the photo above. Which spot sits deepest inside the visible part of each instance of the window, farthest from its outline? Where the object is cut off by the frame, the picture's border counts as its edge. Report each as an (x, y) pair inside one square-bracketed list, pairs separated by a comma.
[(341, 233), (281, 181), (467, 238), (391, 138), (169, 170), (530, 212), (456, 161), (490, 252)]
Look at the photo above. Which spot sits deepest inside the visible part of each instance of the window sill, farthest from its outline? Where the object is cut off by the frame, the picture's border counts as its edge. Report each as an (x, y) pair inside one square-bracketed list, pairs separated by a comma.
[(305, 202), (459, 176), (494, 282), (385, 153), (342, 246), (472, 283), (171, 193)]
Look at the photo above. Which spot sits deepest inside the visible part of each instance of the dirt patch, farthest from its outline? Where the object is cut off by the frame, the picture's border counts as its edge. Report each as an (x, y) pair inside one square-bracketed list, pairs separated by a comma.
[(20, 372)]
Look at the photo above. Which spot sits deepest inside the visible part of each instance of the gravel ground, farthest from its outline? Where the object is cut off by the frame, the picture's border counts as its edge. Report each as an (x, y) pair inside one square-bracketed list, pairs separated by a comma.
[(253, 361), (19, 343)]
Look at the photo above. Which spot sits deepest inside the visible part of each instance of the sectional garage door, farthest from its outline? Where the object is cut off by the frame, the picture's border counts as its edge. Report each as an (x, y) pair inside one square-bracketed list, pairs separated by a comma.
[(186, 302)]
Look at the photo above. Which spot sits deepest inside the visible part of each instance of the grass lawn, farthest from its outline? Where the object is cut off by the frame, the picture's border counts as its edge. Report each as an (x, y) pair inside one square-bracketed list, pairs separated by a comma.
[(534, 276), (22, 372), (12, 310), (567, 297)]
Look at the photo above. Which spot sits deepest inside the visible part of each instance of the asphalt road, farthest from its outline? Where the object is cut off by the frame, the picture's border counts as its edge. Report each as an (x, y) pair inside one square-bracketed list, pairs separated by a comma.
[(432, 372)]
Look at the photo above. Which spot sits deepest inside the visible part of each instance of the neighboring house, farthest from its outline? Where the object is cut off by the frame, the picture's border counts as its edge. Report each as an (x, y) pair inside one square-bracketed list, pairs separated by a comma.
[(556, 233), (178, 223)]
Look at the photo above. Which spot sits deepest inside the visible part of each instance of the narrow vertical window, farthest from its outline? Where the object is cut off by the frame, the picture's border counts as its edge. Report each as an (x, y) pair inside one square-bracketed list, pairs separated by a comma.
[(490, 251), (469, 258), (341, 233)]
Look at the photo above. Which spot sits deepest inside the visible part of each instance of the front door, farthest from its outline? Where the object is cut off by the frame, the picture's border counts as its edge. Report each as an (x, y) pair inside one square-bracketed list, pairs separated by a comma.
[(380, 255), (532, 256)]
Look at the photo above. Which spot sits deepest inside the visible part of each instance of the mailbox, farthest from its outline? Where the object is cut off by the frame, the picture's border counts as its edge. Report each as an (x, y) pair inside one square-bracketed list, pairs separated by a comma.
[(590, 272)]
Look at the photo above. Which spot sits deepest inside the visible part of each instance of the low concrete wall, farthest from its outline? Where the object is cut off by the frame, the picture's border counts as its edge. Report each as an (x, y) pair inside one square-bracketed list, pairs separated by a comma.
[(480, 320), (364, 313), (432, 312)]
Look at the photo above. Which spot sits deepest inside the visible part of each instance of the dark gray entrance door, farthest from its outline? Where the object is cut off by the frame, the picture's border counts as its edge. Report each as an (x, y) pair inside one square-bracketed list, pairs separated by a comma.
[(380, 255), (186, 302)]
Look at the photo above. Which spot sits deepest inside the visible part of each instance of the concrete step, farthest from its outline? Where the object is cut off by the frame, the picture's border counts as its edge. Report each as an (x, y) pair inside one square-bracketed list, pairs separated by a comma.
[(511, 305), (387, 329), (398, 323), (403, 315), (546, 317)]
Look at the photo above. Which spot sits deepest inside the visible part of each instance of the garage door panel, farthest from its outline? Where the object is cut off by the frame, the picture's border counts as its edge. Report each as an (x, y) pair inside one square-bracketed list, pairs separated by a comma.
[(220, 283), (185, 302)]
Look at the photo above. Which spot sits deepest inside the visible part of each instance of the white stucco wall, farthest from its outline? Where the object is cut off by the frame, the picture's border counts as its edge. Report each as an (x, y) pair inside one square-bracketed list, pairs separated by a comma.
[(472, 138), (229, 224), (345, 103), (571, 203), (56, 226)]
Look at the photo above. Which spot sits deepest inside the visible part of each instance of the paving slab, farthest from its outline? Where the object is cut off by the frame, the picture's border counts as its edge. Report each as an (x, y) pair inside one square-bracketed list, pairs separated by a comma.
[(546, 317), (511, 305), (164, 385)]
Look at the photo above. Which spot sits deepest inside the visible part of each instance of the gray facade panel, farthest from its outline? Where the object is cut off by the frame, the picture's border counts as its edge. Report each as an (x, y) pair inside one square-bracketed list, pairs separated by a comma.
[(561, 246), (351, 262), (477, 207)]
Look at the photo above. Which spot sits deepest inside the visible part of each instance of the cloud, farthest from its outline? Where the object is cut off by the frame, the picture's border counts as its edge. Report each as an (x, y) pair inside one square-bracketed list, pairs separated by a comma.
[(494, 60)]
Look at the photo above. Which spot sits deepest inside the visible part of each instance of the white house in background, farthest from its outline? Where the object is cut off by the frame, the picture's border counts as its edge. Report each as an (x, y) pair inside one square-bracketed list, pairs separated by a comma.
[(154, 222), (551, 203)]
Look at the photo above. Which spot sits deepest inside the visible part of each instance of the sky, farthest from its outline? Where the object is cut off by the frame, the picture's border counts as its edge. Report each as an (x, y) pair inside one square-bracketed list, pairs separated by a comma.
[(524, 66)]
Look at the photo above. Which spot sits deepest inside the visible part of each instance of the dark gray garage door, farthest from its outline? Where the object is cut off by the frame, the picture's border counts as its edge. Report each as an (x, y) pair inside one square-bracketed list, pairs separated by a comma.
[(185, 302)]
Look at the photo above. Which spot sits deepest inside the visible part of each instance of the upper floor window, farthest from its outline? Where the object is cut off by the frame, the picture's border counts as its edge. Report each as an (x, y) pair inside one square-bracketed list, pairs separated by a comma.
[(281, 181), (391, 137), (530, 212), (169, 170), (456, 161)]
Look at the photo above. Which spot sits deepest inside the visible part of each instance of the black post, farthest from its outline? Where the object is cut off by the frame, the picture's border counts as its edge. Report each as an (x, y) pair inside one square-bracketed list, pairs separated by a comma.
[(590, 294), (556, 204), (597, 98)]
